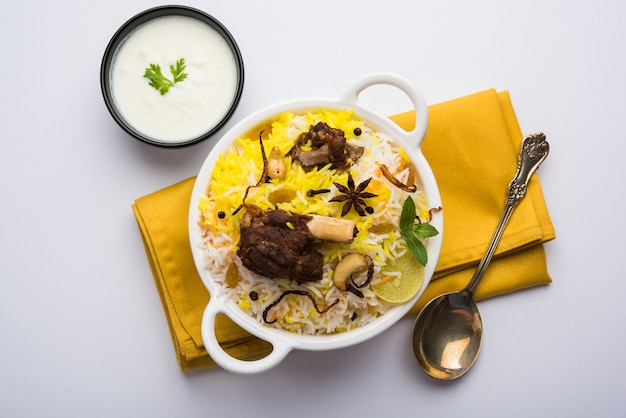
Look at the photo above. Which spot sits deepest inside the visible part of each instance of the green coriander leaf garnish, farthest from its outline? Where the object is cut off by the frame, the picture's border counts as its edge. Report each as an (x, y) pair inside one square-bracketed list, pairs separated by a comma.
[(412, 232), (162, 83), (178, 71), (157, 79)]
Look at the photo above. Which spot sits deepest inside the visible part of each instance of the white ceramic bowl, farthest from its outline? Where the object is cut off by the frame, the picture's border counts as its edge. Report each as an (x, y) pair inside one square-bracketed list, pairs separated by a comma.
[(284, 341)]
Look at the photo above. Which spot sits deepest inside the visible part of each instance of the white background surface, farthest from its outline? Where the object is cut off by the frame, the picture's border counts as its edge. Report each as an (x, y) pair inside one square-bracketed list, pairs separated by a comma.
[(82, 331)]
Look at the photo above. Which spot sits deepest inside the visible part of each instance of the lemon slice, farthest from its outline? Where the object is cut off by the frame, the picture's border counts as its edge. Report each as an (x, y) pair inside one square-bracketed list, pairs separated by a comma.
[(400, 289)]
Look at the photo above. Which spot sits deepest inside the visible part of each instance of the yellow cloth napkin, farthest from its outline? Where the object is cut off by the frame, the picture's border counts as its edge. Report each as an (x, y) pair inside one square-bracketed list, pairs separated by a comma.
[(472, 145)]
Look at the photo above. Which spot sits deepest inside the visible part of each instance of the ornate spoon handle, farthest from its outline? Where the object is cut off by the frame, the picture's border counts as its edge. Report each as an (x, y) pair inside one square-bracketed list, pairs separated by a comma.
[(533, 151)]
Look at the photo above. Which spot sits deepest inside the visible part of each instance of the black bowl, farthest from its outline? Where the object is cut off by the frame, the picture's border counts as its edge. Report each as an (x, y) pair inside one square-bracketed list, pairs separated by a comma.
[(132, 24)]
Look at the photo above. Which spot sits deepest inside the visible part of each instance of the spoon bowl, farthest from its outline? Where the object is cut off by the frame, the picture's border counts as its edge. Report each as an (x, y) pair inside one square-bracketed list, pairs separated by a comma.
[(447, 334), (449, 337)]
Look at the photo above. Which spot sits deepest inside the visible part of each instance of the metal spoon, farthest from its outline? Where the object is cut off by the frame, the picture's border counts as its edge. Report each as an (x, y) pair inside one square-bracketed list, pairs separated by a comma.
[(447, 334)]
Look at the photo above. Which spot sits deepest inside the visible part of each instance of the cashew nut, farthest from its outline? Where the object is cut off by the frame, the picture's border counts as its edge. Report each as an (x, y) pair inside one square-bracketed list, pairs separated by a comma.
[(350, 265)]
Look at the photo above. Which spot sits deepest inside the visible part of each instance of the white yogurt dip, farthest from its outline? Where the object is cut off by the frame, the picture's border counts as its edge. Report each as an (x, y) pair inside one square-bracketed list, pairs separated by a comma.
[(191, 107)]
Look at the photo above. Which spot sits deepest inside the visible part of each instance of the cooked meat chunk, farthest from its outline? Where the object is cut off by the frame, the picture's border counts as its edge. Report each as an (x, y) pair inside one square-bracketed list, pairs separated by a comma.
[(324, 145), (280, 253), (270, 247)]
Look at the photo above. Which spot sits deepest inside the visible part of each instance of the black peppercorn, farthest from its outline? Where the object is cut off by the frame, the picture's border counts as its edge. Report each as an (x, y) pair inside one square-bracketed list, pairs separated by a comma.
[(221, 215), (357, 131), (254, 295)]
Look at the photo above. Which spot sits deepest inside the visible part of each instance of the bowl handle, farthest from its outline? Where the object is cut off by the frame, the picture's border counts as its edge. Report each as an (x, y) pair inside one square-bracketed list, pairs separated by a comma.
[(416, 135), (223, 359)]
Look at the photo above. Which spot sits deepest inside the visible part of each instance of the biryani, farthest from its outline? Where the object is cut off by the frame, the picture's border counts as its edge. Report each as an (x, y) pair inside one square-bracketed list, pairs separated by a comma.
[(268, 190)]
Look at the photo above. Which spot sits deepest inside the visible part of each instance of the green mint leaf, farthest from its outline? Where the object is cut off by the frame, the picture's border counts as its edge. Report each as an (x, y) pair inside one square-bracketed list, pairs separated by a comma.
[(412, 233), (417, 248), (407, 217), (425, 230), (162, 83)]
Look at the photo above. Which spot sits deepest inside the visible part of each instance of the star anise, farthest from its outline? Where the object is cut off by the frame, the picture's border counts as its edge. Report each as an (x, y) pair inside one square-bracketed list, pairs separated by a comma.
[(354, 196)]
